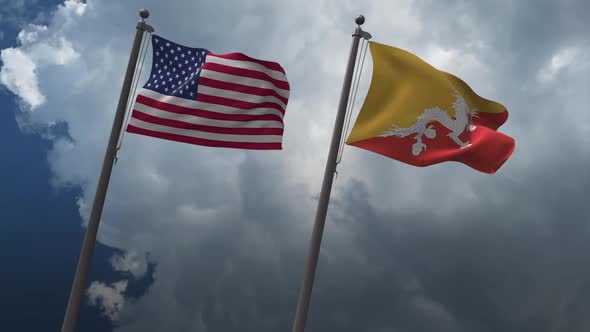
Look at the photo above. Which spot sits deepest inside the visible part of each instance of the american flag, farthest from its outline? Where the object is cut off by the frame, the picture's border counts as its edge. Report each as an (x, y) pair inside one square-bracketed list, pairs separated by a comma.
[(220, 100)]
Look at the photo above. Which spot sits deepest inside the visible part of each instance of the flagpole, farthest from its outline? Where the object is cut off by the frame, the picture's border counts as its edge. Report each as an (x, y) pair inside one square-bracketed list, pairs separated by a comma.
[(320, 218), (77, 291)]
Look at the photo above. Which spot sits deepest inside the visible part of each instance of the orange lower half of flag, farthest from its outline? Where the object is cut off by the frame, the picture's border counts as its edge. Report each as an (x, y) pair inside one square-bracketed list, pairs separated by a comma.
[(484, 148)]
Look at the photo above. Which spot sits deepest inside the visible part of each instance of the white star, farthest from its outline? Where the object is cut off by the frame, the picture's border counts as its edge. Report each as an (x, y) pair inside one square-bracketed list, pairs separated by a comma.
[(157, 86), (179, 82), (155, 81), (162, 60), (171, 51), (193, 82), (185, 61), (161, 48), (170, 79), (179, 48), (149, 84), (182, 55), (168, 73), (159, 71), (157, 53), (191, 93), (193, 59), (183, 72), (167, 44), (177, 76), (156, 40), (166, 55), (166, 89), (165, 67), (174, 69), (175, 58), (179, 65), (156, 65), (154, 76), (174, 87)]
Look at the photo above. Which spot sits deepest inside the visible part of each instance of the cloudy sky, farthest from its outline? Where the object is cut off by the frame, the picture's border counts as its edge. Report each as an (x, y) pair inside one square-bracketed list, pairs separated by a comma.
[(202, 239)]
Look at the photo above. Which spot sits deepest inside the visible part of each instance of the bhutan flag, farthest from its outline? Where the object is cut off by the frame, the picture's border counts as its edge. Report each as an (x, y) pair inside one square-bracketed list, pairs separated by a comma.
[(422, 116)]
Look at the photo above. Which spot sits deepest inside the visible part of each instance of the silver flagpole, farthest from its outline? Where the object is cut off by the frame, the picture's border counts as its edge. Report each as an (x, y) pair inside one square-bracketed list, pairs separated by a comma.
[(320, 218), (77, 292)]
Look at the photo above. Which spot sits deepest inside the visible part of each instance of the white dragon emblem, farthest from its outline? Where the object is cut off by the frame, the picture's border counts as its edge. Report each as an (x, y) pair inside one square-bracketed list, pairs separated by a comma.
[(462, 122)]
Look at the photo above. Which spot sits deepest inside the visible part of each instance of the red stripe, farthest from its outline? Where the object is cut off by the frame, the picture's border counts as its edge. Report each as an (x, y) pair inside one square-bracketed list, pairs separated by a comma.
[(245, 73), (237, 103), (488, 152), (209, 129), (204, 142), (242, 57), (204, 113), (241, 88)]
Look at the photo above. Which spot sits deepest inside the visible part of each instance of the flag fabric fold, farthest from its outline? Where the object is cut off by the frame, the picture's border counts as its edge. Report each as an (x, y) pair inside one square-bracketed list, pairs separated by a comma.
[(218, 100), (422, 116)]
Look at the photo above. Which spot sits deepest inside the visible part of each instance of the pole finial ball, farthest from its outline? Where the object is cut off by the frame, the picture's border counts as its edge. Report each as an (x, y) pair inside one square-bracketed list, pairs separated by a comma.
[(360, 20), (144, 13)]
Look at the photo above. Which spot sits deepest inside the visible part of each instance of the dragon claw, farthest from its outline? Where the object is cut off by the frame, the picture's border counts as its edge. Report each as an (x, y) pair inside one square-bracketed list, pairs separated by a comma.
[(417, 148), (465, 145)]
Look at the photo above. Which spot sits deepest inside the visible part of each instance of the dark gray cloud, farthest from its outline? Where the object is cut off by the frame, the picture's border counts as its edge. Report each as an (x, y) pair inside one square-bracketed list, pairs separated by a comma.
[(405, 249), (515, 262), (516, 39)]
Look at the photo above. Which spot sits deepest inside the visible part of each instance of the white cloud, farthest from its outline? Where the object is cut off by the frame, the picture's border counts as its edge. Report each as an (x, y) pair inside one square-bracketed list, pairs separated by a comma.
[(39, 49), (30, 34), (18, 75), (108, 299), (131, 262), (74, 7), (559, 61), (19, 72)]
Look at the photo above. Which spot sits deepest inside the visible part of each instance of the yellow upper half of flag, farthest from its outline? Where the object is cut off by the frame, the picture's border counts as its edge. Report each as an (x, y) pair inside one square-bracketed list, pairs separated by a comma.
[(402, 87)]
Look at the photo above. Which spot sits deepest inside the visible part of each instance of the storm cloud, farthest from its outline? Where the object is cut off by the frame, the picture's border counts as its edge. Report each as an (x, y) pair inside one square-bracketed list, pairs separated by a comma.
[(442, 248)]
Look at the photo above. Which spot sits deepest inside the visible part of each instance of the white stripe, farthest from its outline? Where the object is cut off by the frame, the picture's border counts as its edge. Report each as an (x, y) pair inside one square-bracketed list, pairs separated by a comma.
[(277, 75), (205, 135), (240, 96), (193, 104), (244, 81), (204, 121)]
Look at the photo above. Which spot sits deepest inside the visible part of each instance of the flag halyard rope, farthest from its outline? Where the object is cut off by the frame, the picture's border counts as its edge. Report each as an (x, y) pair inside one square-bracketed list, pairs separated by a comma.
[(136, 77)]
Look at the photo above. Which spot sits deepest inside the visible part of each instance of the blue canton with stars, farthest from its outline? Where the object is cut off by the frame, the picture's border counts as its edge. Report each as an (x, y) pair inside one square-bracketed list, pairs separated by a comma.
[(175, 68)]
